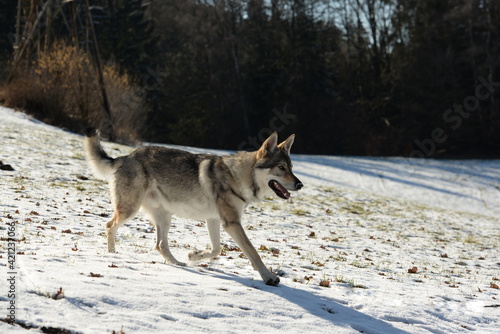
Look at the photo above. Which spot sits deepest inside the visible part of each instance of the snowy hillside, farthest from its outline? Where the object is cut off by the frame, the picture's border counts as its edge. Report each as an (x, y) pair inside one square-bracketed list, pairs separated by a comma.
[(369, 245)]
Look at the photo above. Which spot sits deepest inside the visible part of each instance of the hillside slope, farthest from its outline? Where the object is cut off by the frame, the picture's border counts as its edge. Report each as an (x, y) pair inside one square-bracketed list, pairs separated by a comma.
[(367, 246)]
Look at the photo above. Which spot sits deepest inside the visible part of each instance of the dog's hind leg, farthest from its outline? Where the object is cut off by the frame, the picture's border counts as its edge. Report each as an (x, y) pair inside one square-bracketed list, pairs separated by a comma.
[(213, 226), (119, 218), (161, 219), (126, 201)]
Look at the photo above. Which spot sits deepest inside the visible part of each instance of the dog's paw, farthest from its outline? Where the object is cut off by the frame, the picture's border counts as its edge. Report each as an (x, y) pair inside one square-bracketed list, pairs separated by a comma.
[(176, 263), (195, 255), (274, 281)]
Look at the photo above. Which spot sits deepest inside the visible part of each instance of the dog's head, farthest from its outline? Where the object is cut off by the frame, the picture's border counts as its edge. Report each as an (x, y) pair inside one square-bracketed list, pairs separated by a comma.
[(275, 166)]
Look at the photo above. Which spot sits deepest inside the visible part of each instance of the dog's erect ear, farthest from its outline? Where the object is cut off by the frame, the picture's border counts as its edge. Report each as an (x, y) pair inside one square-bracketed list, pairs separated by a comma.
[(287, 144), (268, 147)]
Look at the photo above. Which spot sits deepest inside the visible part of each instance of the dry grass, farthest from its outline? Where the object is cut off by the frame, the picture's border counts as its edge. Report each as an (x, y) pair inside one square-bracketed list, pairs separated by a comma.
[(61, 88)]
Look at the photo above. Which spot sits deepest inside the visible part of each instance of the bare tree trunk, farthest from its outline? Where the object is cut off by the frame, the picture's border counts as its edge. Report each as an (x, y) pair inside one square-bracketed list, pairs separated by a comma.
[(97, 61), (18, 29), (73, 24), (236, 59), (493, 113), (19, 52)]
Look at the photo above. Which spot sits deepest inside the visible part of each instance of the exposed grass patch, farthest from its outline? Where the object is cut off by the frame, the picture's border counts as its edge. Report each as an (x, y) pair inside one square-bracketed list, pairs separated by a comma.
[(300, 212), (355, 208), (349, 282)]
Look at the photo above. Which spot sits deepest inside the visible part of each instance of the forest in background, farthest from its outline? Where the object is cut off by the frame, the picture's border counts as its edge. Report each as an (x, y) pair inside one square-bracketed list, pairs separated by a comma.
[(413, 78)]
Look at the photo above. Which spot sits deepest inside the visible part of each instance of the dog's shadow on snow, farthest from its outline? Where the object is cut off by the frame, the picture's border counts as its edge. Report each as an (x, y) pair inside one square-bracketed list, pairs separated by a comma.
[(317, 305)]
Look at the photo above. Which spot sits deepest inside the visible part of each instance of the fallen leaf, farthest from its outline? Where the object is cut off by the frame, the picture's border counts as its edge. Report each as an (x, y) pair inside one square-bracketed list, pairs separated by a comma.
[(413, 270), (59, 294), (325, 284)]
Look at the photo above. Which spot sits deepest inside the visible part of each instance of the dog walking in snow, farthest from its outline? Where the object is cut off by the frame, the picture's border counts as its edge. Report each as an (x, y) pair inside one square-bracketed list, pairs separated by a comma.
[(164, 181)]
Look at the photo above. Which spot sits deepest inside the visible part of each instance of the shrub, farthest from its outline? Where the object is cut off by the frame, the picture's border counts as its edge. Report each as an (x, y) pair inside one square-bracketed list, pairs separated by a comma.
[(61, 88)]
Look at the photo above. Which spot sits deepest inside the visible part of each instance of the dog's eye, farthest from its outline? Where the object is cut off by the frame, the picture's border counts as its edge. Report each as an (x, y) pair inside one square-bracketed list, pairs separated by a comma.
[(281, 168)]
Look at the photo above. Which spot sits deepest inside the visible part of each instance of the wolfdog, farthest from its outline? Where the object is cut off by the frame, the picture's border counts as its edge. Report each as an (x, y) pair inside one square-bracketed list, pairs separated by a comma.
[(165, 181)]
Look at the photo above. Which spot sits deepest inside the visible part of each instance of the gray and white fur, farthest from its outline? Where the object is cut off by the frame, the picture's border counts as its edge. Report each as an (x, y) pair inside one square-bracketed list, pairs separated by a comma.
[(164, 181)]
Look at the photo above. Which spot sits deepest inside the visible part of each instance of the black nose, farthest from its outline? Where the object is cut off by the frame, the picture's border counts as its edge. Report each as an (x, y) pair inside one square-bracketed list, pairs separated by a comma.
[(298, 185)]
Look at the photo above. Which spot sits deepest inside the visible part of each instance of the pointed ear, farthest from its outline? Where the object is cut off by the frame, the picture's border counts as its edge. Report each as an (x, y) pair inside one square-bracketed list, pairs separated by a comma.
[(268, 146), (287, 144)]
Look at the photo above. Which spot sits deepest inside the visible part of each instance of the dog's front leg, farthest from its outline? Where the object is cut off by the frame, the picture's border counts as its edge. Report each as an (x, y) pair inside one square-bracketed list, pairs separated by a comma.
[(213, 226), (235, 230)]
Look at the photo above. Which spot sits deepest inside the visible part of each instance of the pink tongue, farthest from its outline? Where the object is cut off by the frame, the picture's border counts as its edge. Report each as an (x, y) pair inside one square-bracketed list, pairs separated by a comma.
[(283, 190)]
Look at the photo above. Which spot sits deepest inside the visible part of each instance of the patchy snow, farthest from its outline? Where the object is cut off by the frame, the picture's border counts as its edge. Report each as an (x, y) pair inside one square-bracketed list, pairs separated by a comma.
[(470, 186), (369, 245)]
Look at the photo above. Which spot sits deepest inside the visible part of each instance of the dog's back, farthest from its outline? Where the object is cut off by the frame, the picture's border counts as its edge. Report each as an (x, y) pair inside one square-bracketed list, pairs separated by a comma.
[(174, 170), (155, 176)]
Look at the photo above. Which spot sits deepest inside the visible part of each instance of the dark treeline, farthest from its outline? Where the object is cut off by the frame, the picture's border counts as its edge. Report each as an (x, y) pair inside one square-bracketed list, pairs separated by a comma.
[(349, 77)]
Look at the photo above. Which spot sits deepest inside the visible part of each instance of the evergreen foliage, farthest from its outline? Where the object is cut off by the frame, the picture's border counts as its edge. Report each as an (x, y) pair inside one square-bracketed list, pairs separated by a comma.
[(354, 77)]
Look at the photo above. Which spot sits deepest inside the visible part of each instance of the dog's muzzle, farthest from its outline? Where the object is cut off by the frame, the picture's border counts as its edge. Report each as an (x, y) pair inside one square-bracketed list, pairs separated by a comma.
[(298, 185)]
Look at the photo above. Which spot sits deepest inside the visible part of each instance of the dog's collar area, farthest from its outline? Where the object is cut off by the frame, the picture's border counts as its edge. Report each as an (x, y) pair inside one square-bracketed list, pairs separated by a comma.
[(279, 189)]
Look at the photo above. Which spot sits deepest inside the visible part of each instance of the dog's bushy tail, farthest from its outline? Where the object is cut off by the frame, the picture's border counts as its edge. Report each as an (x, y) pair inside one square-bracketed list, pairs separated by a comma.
[(100, 162)]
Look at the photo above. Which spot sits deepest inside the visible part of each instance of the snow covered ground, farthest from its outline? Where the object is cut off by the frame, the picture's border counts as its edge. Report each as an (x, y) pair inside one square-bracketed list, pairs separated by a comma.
[(369, 245)]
